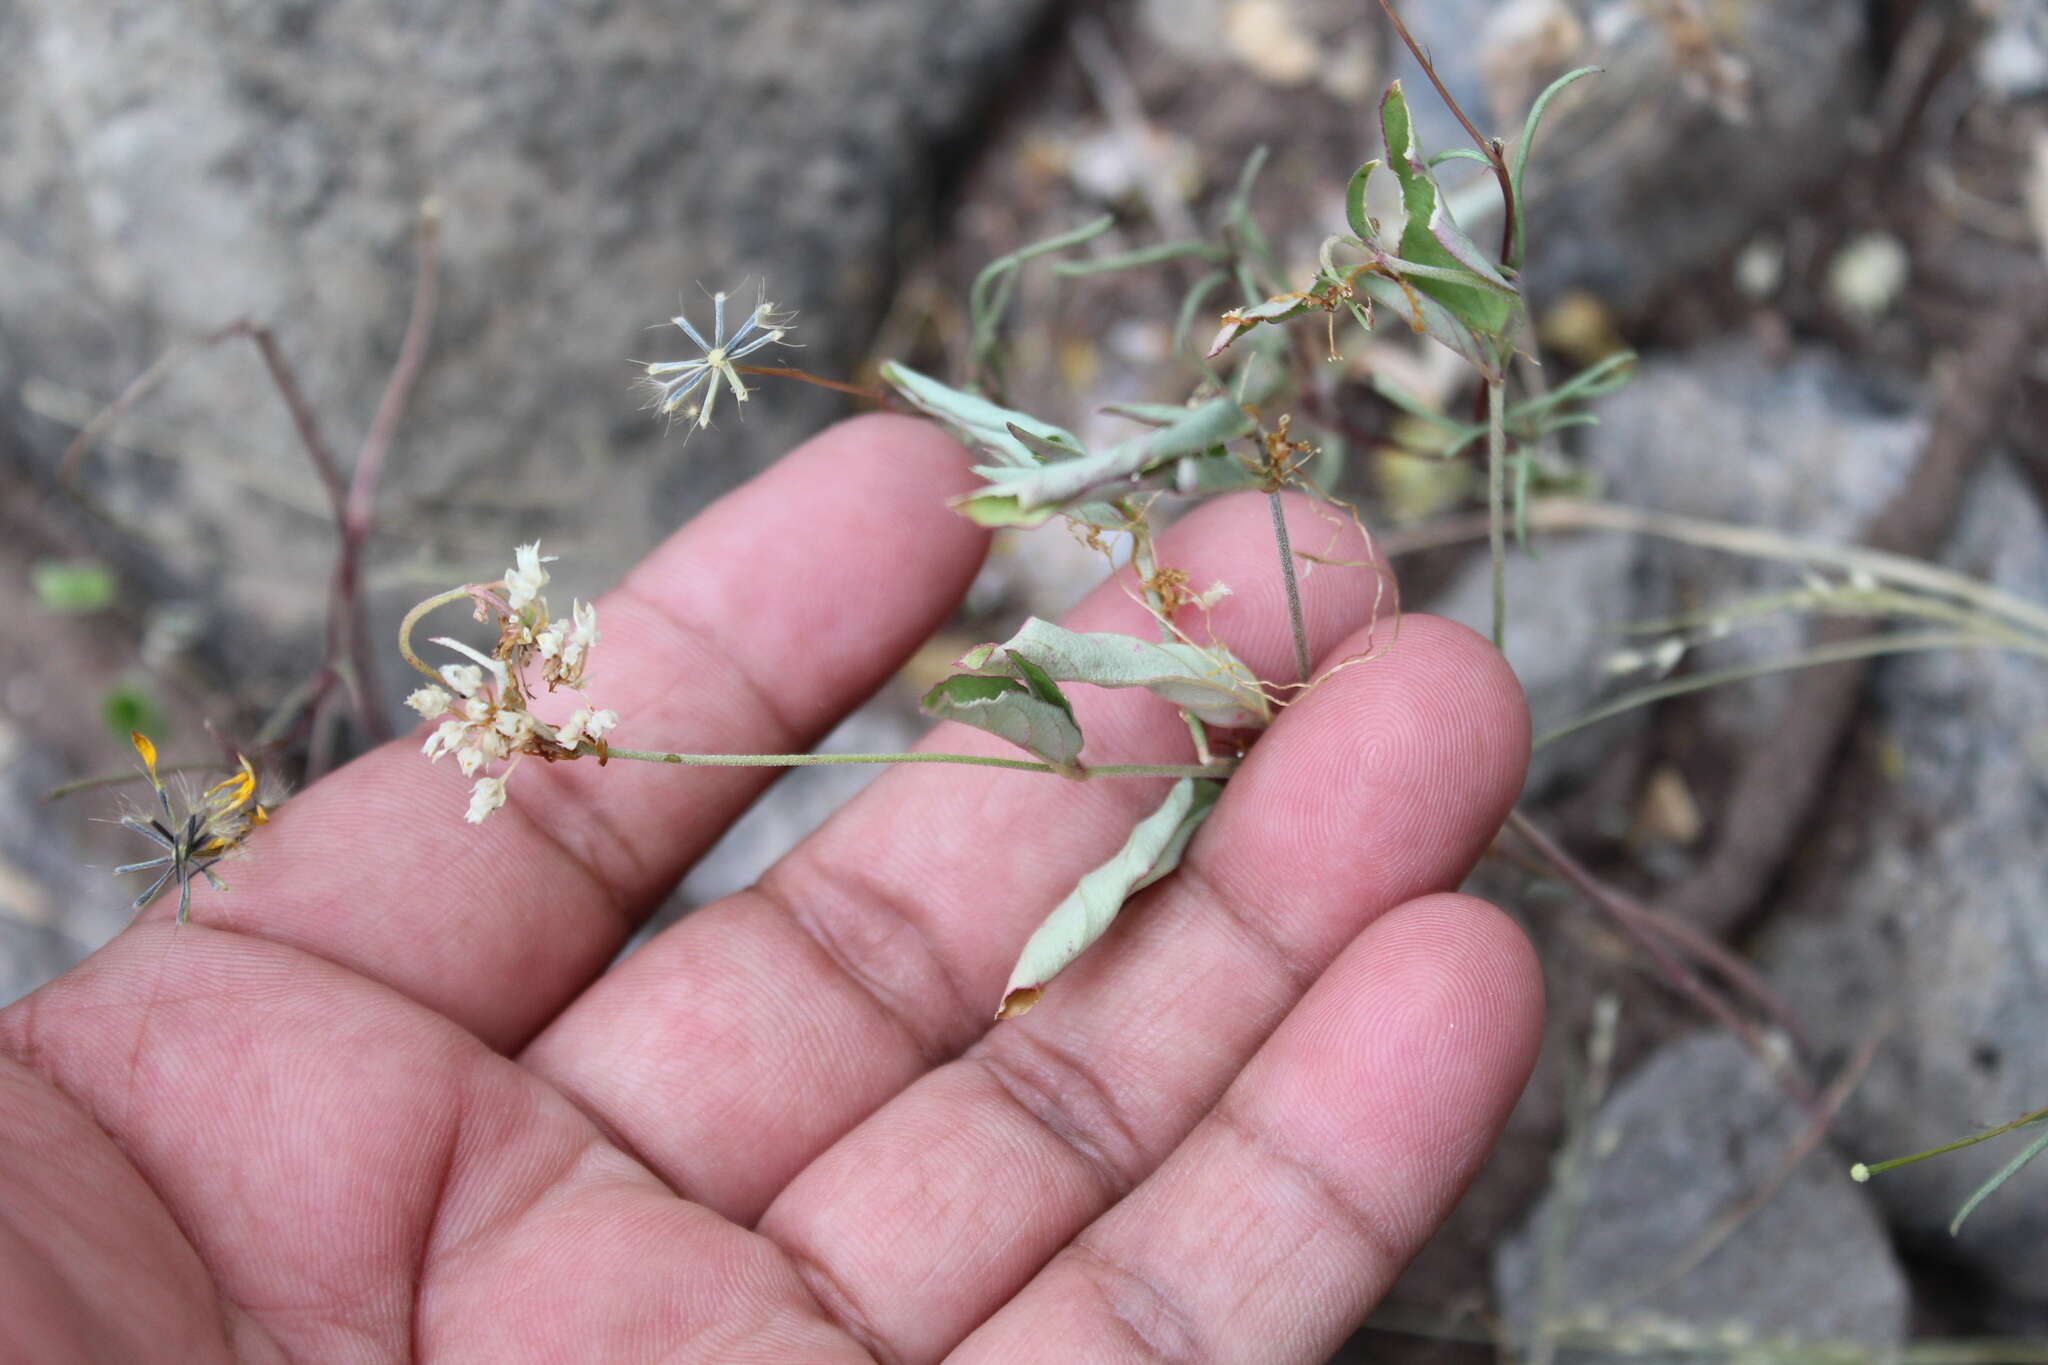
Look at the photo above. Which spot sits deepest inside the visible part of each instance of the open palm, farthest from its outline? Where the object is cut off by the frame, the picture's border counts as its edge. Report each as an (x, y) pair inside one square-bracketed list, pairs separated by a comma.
[(385, 1100)]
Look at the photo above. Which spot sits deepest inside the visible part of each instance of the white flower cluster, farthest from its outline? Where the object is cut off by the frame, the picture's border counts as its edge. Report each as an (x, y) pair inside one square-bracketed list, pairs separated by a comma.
[(485, 700)]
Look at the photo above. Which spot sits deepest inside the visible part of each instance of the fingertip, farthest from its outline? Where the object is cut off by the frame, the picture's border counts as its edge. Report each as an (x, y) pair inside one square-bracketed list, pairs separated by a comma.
[(912, 449), (1441, 688), (1416, 1044), (1392, 773)]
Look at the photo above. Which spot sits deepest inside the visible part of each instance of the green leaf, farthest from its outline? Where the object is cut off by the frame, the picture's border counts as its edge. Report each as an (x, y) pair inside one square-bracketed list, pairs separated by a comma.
[(975, 420), (1143, 256), (73, 587), (1425, 313), (1192, 302), (1209, 683), (1595, 381), (1241, 320), (1518, 251), (988, 298), (1015, 709), (1991, 1186), (1153, 850), (1431, 236), (1029, 496), (1354, 201)]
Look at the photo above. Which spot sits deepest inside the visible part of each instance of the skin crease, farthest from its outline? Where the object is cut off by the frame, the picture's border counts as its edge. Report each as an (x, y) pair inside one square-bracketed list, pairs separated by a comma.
[(384, 1101)]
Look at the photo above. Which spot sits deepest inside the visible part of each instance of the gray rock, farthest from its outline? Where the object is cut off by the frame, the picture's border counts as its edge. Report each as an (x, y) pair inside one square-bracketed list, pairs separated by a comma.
[(1686, 1141), (1562, 610), (165, 167), (1706, 122), (1922, 910), (55, 904), (1805, 445), (2012, 56)]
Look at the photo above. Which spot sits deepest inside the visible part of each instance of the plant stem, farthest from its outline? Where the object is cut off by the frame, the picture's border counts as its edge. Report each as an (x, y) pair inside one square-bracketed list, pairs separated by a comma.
[(1861, 647), (1301, 664), (467, 590), (1214, 770), (1496, 506), (1861, 1172), (1488, 147), (420, 609), (1644, 926), (348, 630), (1571, 514), (805, 377), (85, 784)]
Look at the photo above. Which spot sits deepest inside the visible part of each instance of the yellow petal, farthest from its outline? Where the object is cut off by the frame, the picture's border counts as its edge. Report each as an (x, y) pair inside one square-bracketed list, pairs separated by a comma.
[(232, 792), (146, 749)]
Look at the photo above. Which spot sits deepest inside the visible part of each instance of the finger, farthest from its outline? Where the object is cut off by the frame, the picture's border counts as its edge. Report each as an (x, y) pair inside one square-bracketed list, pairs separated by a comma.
[(268, 1148), (753, 629), (735, 1047), (1283, 1217), (1384, 783)]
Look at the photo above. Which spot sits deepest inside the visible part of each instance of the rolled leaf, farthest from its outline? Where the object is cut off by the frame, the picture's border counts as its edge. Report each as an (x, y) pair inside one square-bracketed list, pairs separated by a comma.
[(1427, 314), (1153, 850), (1028, 496), (1354, 201), (1015, 709), (1241, 320), (978, 422), (1430, 235), (1209, 683)]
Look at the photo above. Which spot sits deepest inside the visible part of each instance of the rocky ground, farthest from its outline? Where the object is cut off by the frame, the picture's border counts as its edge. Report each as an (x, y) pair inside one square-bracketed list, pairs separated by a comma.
[(1821, 223)]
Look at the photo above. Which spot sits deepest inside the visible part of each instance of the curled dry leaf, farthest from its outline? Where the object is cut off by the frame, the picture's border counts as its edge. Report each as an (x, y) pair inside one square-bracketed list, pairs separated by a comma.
[(1028, 711), (1208, 682), (1153, 850)]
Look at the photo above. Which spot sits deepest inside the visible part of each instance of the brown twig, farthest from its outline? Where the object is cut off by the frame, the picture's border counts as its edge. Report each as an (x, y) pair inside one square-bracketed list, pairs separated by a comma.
[(876, 396), (1730, 1221), (348, 617), (150, 380), (1778, 787), (1488, 147), (349, 653), (1633, 918)]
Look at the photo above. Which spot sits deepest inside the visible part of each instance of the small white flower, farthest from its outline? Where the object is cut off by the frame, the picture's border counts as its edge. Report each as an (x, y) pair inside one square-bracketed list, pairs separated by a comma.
[(584, 725), (515, 726), (469, 759), (429, 702), (675, 381), (549, 643), (444, 739), (526, 577), (583, 636), (482, 660), (485, 797), (464, 678)]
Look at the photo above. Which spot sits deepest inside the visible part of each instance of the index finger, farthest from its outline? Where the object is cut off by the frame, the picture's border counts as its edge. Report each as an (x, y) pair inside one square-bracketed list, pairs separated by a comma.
[(752, 629)]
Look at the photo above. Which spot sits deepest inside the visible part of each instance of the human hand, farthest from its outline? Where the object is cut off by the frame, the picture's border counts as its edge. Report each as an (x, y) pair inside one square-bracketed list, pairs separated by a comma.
[(386, 1101)]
